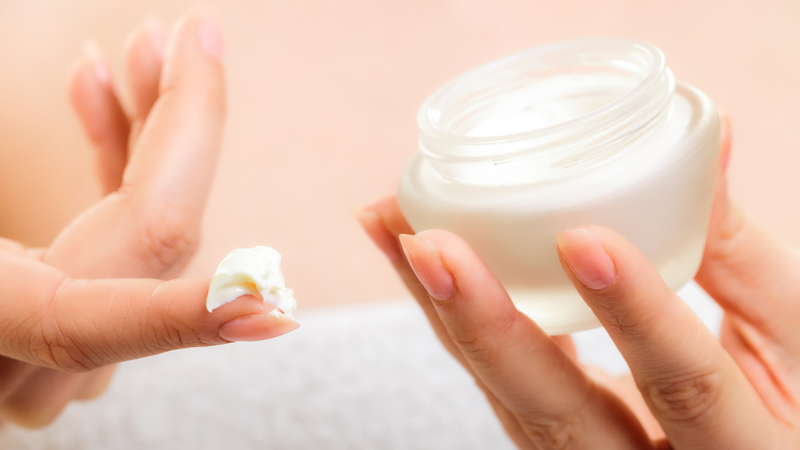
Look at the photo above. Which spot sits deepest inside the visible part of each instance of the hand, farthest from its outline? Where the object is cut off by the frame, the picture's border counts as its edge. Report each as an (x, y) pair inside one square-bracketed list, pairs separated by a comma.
[(687, 389), (156, 163)]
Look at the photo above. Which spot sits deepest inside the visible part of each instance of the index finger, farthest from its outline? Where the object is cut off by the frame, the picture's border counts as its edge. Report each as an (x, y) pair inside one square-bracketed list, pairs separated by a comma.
[(692, 386)]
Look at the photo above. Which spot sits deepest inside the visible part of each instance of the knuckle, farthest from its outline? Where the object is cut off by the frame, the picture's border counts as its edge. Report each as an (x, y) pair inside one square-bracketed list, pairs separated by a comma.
[(165, 329), (57, 350), (552, 433), (477, 348), (166, 237), (164, 334), (483, 345), (51, 346), (684, 397), (632, 324)]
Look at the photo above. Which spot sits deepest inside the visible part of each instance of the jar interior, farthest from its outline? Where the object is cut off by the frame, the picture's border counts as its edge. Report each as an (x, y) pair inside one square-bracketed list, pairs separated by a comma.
[(546, 113), (519, 101)]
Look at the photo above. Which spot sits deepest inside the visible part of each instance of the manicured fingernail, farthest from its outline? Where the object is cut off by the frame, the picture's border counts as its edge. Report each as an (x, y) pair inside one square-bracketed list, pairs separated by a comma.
[(157, 32), (376, 230), (101, 71), (257, 327), (587, 258), (210, 33), (426, 261)]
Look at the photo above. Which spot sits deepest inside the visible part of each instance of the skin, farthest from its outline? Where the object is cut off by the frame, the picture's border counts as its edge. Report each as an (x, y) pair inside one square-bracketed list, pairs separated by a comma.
[(686, 390), (91, 299)]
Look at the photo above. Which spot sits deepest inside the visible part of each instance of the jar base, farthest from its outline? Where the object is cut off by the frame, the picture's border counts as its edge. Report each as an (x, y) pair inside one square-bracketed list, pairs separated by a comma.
[(556, 312)]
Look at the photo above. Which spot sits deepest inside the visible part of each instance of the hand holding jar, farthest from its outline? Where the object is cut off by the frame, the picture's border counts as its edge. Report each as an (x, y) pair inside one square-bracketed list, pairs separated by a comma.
[(686, 389)]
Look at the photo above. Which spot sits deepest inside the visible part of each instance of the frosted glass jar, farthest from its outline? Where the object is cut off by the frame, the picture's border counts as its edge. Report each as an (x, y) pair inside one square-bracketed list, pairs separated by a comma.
[(592, 131)]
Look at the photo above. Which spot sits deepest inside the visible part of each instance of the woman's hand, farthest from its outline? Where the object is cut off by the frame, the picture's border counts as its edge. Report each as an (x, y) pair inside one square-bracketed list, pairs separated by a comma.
[(688, 389), (59, 334)]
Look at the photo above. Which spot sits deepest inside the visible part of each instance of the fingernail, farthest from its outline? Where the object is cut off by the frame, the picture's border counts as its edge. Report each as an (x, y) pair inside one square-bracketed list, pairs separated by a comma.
[(426, 261), (210, 33), (157, 32), (587, 258), (95, 56), (257, 327), (376, 230)]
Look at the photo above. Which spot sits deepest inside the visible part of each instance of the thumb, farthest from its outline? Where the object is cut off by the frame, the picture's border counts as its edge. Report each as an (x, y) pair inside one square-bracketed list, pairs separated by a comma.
[(78, 325)]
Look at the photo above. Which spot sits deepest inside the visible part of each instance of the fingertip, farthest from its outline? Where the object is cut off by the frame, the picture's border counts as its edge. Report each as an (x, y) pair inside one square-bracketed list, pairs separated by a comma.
[(88, 77), (201, 26), (586, 257), (392, 218), (384, 204), (94, 100), (463, 263), (97, 61), (157, 33), (377, 232), (210, 32), (426, 262)]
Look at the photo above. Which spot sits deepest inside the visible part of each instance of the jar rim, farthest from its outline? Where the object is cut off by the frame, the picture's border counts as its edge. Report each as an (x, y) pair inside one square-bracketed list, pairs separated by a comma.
[(551, 151), (653, 69)]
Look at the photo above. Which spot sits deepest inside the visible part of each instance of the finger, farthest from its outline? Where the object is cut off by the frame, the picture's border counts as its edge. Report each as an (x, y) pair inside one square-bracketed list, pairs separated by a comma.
[(690, 383), (13, 374), (567, 345), (92, 95), (554, 402), (95, 382), (624, 387), (144, 57), (79, 325), (511, 425), (746, 270), (41, 398), (384, 223), (152, 223), (176, 152)]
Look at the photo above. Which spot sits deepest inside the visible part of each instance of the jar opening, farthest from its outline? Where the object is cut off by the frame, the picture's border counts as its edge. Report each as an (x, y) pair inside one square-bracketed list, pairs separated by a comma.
[(544, 109)]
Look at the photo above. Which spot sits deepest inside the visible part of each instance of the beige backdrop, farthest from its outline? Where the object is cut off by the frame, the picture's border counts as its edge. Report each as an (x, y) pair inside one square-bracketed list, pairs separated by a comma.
[(323, 96)]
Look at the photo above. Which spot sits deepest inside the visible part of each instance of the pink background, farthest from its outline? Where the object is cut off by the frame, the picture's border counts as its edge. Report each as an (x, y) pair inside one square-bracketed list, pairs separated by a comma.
[(322, 103)]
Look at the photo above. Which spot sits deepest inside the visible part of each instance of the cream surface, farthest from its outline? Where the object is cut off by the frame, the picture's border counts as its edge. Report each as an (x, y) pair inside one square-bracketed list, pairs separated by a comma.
[(251, 271)]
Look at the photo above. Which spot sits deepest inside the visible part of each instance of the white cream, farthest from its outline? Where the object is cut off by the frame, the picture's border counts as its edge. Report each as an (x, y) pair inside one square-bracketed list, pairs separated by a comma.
[(251, 271)]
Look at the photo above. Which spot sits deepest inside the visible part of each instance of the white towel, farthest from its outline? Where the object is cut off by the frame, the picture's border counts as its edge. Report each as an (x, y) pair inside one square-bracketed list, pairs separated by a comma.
[(356, 377)]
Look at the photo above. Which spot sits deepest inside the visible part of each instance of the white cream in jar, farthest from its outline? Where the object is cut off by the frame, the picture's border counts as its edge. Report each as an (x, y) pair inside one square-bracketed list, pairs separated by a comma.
[(593, 131)]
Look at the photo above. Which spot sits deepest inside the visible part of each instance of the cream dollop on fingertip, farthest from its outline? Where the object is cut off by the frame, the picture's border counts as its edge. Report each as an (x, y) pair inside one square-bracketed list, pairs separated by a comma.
[(251, 271)]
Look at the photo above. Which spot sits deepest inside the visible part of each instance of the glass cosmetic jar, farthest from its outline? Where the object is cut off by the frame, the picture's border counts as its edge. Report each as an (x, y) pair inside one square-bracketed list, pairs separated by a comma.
[(593, 131)]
